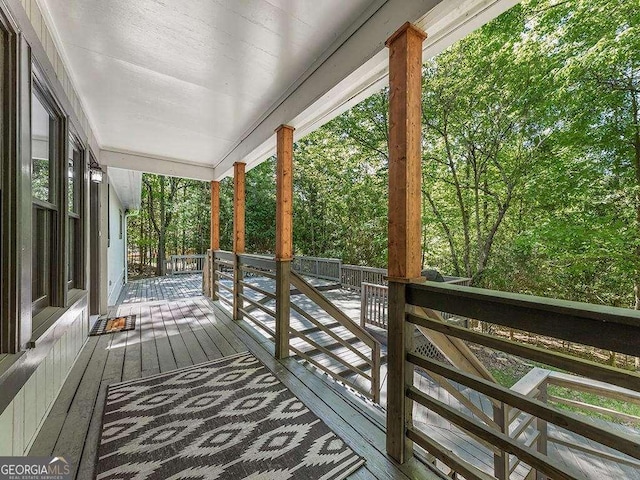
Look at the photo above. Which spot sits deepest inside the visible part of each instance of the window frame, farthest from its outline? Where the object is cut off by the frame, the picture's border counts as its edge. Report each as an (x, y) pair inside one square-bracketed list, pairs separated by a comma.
[(56, 296), (75, 280), (9, 166)]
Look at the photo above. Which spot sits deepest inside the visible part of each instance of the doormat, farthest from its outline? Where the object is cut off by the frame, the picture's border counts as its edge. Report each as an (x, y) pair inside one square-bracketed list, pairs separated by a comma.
[(225, 419), (113, 325)]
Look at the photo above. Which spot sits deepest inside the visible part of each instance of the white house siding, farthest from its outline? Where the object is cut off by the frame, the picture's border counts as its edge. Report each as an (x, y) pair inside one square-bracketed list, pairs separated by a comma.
[(22, 418), (117, 248)]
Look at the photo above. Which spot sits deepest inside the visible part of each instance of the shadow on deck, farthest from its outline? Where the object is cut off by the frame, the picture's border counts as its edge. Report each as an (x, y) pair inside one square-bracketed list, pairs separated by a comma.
[(571, 454), (178, 327)]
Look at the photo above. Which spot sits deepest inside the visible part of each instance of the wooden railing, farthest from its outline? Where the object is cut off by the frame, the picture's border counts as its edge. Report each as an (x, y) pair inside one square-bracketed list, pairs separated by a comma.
[(325, 268), (367, 368), (374, 302), (374, 305), (536, 384), (248, 285), (178, 264), (611, 329), (353, 276)]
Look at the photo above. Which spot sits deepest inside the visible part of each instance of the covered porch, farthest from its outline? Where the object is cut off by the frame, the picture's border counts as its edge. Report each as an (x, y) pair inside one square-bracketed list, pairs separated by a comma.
[(197, 91), (178, 327)]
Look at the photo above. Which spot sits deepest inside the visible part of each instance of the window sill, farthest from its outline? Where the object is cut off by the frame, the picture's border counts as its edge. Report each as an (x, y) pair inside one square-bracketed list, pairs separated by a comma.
[(47, 319)]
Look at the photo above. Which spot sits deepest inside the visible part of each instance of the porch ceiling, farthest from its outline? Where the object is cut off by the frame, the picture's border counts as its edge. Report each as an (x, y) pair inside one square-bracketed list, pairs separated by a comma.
[(186, 79), (188, 87), (128, 186)]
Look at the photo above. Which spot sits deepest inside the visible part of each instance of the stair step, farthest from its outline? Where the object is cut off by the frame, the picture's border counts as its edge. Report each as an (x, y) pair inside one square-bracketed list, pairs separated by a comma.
[(362, 366), (330, 346)]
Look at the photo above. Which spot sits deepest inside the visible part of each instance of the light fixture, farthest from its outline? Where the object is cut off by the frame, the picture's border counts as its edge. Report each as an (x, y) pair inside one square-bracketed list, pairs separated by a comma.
[(95, 172)]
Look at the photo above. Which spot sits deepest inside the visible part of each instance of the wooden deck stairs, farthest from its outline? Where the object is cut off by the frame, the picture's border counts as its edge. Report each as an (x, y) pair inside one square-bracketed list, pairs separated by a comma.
[(321, 334), (326, 336)]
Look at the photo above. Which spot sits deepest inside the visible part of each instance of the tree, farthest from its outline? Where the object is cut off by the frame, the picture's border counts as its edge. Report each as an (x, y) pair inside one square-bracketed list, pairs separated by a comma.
[(482, 135)]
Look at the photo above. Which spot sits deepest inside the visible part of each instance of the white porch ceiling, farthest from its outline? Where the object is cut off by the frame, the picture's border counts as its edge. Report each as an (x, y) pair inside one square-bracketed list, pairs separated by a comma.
[(185, 79), (188, 87), (128, 186)]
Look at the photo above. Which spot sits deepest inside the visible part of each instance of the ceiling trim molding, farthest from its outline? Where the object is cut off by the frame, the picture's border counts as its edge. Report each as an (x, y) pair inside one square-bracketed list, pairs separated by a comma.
[(155, 165), (358, 68)]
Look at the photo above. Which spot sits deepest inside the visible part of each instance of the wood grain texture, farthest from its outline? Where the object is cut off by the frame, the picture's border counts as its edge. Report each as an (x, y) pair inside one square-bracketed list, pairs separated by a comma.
[(400, 376), (283, 308), (239, 199), (405, 133), (215, 216), (284, 193), (186, 328), (404, 223)]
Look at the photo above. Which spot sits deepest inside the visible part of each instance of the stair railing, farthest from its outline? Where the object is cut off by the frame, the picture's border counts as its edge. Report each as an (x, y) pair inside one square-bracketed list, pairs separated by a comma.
[(366, 371)]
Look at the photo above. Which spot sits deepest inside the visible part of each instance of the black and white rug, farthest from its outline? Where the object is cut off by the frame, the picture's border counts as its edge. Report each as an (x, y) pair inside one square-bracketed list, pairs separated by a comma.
[(226, 419)]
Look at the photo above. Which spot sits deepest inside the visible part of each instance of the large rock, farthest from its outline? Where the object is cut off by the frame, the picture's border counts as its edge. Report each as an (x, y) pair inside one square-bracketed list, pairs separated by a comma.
[(432, 275)]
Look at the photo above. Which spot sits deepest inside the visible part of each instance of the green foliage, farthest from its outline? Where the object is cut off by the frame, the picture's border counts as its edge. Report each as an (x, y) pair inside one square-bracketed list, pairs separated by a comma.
[(531, 163), (173, 219)]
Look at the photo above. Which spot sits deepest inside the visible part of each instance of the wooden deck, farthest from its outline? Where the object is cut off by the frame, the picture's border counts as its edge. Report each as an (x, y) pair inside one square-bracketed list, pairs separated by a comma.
[(177, 327), (443, 431)]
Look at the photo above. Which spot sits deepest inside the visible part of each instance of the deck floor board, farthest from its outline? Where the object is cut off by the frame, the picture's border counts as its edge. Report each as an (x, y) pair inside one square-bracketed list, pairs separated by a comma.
[(176, 327)]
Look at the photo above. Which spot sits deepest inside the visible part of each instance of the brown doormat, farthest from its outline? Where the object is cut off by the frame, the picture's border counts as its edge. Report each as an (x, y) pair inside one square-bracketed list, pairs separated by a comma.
[(227, 419), (113, 325)]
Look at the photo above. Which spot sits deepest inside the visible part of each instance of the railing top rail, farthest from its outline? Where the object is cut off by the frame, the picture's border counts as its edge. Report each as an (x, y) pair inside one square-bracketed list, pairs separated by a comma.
[(224, 255), (609, 328), (324, 259), (418, 291), (194, 255), (604, 389), (452, 279), (332, 310), (259, 261), (375, 285), (531, 381), (256, 255), (360, 267)]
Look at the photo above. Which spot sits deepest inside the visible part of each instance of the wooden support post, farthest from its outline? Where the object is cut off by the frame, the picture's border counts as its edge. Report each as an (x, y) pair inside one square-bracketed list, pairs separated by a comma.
[(238, 207), (213, 275), (238, 235), (212, 290), (405, 133), (543, 435), (215, 216), (284, 236), (501, 459)]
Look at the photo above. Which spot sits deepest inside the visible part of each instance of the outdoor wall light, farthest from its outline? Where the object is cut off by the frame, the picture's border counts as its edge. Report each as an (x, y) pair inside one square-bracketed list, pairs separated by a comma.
[(95, 172)]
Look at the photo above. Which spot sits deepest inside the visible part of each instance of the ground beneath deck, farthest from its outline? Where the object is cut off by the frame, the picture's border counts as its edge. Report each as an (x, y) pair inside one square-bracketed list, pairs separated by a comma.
[(177, 327)]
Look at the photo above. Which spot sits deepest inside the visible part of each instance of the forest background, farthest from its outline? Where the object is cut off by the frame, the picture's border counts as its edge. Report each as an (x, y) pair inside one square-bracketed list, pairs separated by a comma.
[(531, 165)]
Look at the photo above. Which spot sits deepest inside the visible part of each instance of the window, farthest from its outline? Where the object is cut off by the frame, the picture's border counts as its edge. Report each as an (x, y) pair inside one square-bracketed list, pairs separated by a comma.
[(45, 205), (75, 175), (121, 224)]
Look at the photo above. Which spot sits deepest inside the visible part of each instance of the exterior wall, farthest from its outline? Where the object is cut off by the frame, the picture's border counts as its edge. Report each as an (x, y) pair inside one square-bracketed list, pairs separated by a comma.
[(22, 418), (116, 249), (31, 379), (39, 22)]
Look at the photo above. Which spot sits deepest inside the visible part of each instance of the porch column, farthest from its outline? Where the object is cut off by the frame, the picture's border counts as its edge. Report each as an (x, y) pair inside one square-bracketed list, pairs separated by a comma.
[(284, 236), (405, 92), (215, 215), (214, 245), (238, 234)]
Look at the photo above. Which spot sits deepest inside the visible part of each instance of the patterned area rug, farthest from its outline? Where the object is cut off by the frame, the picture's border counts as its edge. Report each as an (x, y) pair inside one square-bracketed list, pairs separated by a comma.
[(113, 325), (226, 419)]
